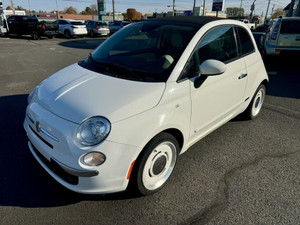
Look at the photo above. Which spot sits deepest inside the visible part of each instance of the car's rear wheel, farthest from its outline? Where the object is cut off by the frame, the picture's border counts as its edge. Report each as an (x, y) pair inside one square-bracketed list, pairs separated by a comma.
[(256, 103), (156, 164)]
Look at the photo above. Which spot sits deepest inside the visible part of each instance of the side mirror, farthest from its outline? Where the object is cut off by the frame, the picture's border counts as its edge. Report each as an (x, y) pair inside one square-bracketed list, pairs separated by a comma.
[(212, 67)]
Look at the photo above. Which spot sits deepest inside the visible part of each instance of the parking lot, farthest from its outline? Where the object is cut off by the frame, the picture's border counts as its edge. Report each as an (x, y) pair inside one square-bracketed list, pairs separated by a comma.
[(246, 172)]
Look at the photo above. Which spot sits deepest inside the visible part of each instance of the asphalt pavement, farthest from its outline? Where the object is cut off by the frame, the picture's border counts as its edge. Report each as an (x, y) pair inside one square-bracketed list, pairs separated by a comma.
[(245, 172)]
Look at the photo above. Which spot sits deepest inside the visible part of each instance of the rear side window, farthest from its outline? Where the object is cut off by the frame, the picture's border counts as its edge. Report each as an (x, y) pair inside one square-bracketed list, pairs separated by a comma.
[(62, 22), (12, 18), (246, 43), (290, 27)]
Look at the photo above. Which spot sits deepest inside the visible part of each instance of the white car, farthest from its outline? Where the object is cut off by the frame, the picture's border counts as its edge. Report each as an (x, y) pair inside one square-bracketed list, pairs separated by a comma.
[(144, 96), (70, 28), (283, 37)]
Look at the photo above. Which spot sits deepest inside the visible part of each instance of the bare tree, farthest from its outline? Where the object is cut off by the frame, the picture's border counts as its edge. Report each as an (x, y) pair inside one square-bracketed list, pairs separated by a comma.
[(278, 12), (70, 10)]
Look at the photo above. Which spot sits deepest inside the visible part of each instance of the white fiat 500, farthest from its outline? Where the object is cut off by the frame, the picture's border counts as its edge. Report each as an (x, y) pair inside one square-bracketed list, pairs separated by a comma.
[(124, 114)]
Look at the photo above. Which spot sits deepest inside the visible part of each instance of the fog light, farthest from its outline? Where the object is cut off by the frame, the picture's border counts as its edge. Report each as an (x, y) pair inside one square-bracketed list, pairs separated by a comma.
[(94, 158)]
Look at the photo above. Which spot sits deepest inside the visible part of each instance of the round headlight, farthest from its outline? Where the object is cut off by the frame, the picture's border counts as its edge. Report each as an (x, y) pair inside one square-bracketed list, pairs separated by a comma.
[(93, 131)]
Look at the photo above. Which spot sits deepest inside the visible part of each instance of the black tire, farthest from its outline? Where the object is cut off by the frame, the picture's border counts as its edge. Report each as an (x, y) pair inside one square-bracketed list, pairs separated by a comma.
[(155, 164), (51, 37), (67, 34), (34, 35), (255, 106), (92, 34)]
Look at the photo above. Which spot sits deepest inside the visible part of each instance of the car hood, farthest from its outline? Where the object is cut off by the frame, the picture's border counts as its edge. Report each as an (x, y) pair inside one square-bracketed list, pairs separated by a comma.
[(75, 94)]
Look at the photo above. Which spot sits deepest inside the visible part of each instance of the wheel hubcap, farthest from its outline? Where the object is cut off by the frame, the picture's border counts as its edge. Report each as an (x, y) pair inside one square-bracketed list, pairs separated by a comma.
[(159, 165), (258, 102)]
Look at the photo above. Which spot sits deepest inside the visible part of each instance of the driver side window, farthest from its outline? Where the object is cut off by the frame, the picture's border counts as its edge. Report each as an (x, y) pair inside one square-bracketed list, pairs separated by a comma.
[(218, 43)]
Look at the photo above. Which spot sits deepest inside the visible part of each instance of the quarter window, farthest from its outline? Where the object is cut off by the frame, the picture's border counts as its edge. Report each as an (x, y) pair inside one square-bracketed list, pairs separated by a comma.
[(246, 43)]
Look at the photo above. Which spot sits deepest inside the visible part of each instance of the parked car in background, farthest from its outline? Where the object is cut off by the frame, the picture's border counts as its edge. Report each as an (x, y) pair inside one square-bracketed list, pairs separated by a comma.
[(283, 37), (70, 28), (250, 25), (97, 28), (144, 96), (117, 25), (29, 25), (261, 28)]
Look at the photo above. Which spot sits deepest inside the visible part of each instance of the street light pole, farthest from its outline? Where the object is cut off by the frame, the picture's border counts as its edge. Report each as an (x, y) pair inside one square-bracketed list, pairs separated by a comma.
[(113, 5), (57, 13), (13, 6), (203, 8), (241, 8)]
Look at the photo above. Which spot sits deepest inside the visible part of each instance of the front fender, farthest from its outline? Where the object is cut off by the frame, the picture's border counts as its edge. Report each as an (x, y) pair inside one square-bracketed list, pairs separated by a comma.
[(173, 112)]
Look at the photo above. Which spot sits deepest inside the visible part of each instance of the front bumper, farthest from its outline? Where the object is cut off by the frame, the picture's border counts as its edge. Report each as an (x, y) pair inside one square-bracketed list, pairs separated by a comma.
[(63, 158)]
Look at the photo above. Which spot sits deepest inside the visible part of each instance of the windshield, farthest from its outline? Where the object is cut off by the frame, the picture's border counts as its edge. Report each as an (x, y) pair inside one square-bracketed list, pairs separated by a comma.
[(146, 51), (101, 24)]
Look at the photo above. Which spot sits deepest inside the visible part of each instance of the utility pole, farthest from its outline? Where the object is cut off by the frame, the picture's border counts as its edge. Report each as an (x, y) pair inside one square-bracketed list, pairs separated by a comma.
[(267, 11), (241, 8), (194, 7), (173, 8), (13, 6), (203, 8), (272, 10), (252, 9), (113, 4), (29, 6)]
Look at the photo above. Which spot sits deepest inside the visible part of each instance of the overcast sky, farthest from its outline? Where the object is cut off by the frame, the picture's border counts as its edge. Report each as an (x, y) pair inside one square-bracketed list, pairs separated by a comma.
[(145, 6)]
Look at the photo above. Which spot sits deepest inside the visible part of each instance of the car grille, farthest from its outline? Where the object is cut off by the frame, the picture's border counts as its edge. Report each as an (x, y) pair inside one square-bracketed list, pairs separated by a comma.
[(42, 139), (54, 167)]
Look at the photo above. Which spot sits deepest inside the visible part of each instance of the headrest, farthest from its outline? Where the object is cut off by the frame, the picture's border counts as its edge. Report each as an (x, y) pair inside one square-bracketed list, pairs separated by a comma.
[(176, 39)]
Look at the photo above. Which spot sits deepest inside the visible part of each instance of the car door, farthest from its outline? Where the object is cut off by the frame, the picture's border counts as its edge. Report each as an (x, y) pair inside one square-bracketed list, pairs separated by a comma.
[(61, 24), (12, 24), (88, 26), (215, 99)]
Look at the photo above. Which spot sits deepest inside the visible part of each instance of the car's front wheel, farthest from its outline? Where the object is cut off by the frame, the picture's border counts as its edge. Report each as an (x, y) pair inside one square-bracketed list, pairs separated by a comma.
[(92, 34), (34, 35), (156, 163), (67, 34)]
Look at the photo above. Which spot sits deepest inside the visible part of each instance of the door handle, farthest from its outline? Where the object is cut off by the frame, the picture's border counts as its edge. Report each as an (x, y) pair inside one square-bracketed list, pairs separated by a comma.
[(242, 76)]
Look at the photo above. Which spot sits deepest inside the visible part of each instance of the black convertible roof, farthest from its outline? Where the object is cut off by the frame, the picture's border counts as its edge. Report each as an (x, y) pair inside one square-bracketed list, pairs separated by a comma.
[(189, 19)]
